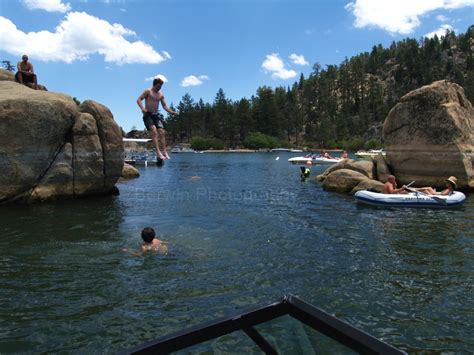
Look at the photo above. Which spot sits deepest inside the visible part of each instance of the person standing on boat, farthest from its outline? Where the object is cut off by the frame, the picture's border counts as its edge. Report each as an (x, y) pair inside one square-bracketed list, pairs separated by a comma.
[(151, 117), (390, 187)]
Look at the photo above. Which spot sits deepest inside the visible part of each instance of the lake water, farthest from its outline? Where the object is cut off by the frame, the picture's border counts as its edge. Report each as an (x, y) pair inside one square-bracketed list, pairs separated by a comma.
[(244, 231)]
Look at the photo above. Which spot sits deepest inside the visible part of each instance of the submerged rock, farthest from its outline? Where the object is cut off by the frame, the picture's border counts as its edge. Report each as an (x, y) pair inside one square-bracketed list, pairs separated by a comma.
[(129, 172)]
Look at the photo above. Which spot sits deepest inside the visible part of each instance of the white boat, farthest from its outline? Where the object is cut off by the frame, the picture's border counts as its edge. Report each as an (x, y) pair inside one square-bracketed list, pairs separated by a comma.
[(301, 160), (369, 153), (323, 160), (137, 140), (412, 199), (314, 159), (287, 150)]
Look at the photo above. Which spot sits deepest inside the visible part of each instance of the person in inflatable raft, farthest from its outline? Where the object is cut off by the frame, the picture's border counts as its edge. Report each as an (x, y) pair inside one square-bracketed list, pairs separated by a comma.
[(451, 184)]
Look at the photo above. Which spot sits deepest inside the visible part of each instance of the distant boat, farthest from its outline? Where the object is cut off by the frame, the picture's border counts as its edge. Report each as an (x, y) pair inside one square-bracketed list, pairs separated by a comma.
[(288, 150), (182, 149), (277, 150), (369, 153), (314, 158), (138, 140)]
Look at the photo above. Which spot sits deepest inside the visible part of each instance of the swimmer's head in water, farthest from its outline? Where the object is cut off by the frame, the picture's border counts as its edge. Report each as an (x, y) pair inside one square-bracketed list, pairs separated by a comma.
[(148, 234)]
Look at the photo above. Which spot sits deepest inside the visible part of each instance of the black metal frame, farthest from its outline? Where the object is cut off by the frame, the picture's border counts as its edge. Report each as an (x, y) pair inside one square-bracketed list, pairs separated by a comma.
[(310, 315)]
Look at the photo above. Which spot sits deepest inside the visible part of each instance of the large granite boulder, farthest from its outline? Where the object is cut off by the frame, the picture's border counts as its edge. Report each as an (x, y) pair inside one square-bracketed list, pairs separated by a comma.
[(365, 167), (49, 149), (343, 180), (429, 135), (6, 75), (129, 172)]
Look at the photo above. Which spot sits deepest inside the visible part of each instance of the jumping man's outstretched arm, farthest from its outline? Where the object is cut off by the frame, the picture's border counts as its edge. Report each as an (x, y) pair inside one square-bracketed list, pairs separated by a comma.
[(167, 109)]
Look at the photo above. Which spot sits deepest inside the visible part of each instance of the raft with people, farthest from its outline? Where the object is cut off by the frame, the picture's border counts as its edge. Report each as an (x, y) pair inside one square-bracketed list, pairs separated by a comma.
[(411, 199)]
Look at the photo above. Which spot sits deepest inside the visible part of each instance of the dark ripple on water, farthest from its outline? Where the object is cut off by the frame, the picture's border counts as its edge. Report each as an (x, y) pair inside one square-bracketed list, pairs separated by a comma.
[(243, 231)]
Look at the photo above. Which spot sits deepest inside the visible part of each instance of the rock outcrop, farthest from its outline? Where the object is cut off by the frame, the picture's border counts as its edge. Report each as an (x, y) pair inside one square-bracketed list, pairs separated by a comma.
[(50, 147), (429, 135), (343, 180), (129, 172)]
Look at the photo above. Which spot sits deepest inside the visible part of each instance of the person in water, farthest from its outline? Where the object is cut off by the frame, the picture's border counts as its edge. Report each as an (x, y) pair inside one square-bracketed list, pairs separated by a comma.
[(451, 184), (305, 172), (344, 155), (390, 187), (151, 117), (26, 73), (150, 243)]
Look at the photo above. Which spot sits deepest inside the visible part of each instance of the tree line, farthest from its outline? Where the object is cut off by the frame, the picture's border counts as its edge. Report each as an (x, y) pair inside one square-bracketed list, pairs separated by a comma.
[(337, 106)]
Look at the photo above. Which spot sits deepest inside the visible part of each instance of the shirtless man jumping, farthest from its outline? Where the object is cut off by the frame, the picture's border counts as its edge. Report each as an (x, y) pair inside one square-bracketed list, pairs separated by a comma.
[(151, 117)]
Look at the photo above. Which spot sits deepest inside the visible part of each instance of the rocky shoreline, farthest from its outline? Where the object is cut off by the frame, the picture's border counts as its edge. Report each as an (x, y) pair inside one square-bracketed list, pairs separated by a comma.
[(428, 135)]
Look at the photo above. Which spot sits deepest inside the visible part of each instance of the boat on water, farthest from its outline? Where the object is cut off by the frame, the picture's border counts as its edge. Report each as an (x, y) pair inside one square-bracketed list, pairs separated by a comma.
[(314, 158), (412, 199), (323, 160), (182, 148), (288, 150), (369, 153)]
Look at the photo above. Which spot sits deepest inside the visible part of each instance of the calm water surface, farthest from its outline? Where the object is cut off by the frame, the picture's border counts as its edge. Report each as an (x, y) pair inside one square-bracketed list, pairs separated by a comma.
[(244, 231)]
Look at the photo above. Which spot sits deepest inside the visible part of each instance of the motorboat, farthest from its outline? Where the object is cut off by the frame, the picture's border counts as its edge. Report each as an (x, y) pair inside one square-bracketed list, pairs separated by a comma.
[(182, 149), (315, 158), (301, 160), (369, 153), (412, 199), (287, 150), (324, 160)]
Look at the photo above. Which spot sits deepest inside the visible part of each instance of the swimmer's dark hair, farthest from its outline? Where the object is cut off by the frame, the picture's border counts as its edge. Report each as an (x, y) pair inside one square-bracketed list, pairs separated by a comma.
[(157, 81), (148, 234)]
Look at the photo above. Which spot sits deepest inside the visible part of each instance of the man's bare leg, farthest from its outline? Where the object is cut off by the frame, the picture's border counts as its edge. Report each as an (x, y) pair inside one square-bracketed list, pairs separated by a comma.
[(20, 77), (154, 138), (35, 81), (161, 136)]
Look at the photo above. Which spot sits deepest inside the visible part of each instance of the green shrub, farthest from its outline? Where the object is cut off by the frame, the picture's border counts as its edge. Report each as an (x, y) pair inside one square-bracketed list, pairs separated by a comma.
[(355, 143), (199, 143), (216, 143), (374, 143), (259, 140)]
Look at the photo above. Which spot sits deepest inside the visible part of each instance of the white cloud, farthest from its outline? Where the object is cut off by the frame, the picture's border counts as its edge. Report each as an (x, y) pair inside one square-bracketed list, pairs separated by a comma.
[(47, 5), (398, 16), (166, 54), (273, 64), (192, 80), (298, 59), (440, 31), (157, 76), (442, 18), (77, 37)]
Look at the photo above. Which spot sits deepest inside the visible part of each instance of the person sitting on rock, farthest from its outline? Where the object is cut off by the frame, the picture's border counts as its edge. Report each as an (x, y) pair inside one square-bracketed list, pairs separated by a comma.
[(390, 187), (451, 184), (25, 73)]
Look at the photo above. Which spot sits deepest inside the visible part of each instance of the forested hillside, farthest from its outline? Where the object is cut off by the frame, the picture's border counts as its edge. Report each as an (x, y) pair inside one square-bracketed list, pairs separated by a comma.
[(336, 106)]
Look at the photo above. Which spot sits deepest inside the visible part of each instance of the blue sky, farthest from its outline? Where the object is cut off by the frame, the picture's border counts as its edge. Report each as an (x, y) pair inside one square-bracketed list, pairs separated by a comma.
[(108, 51)]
